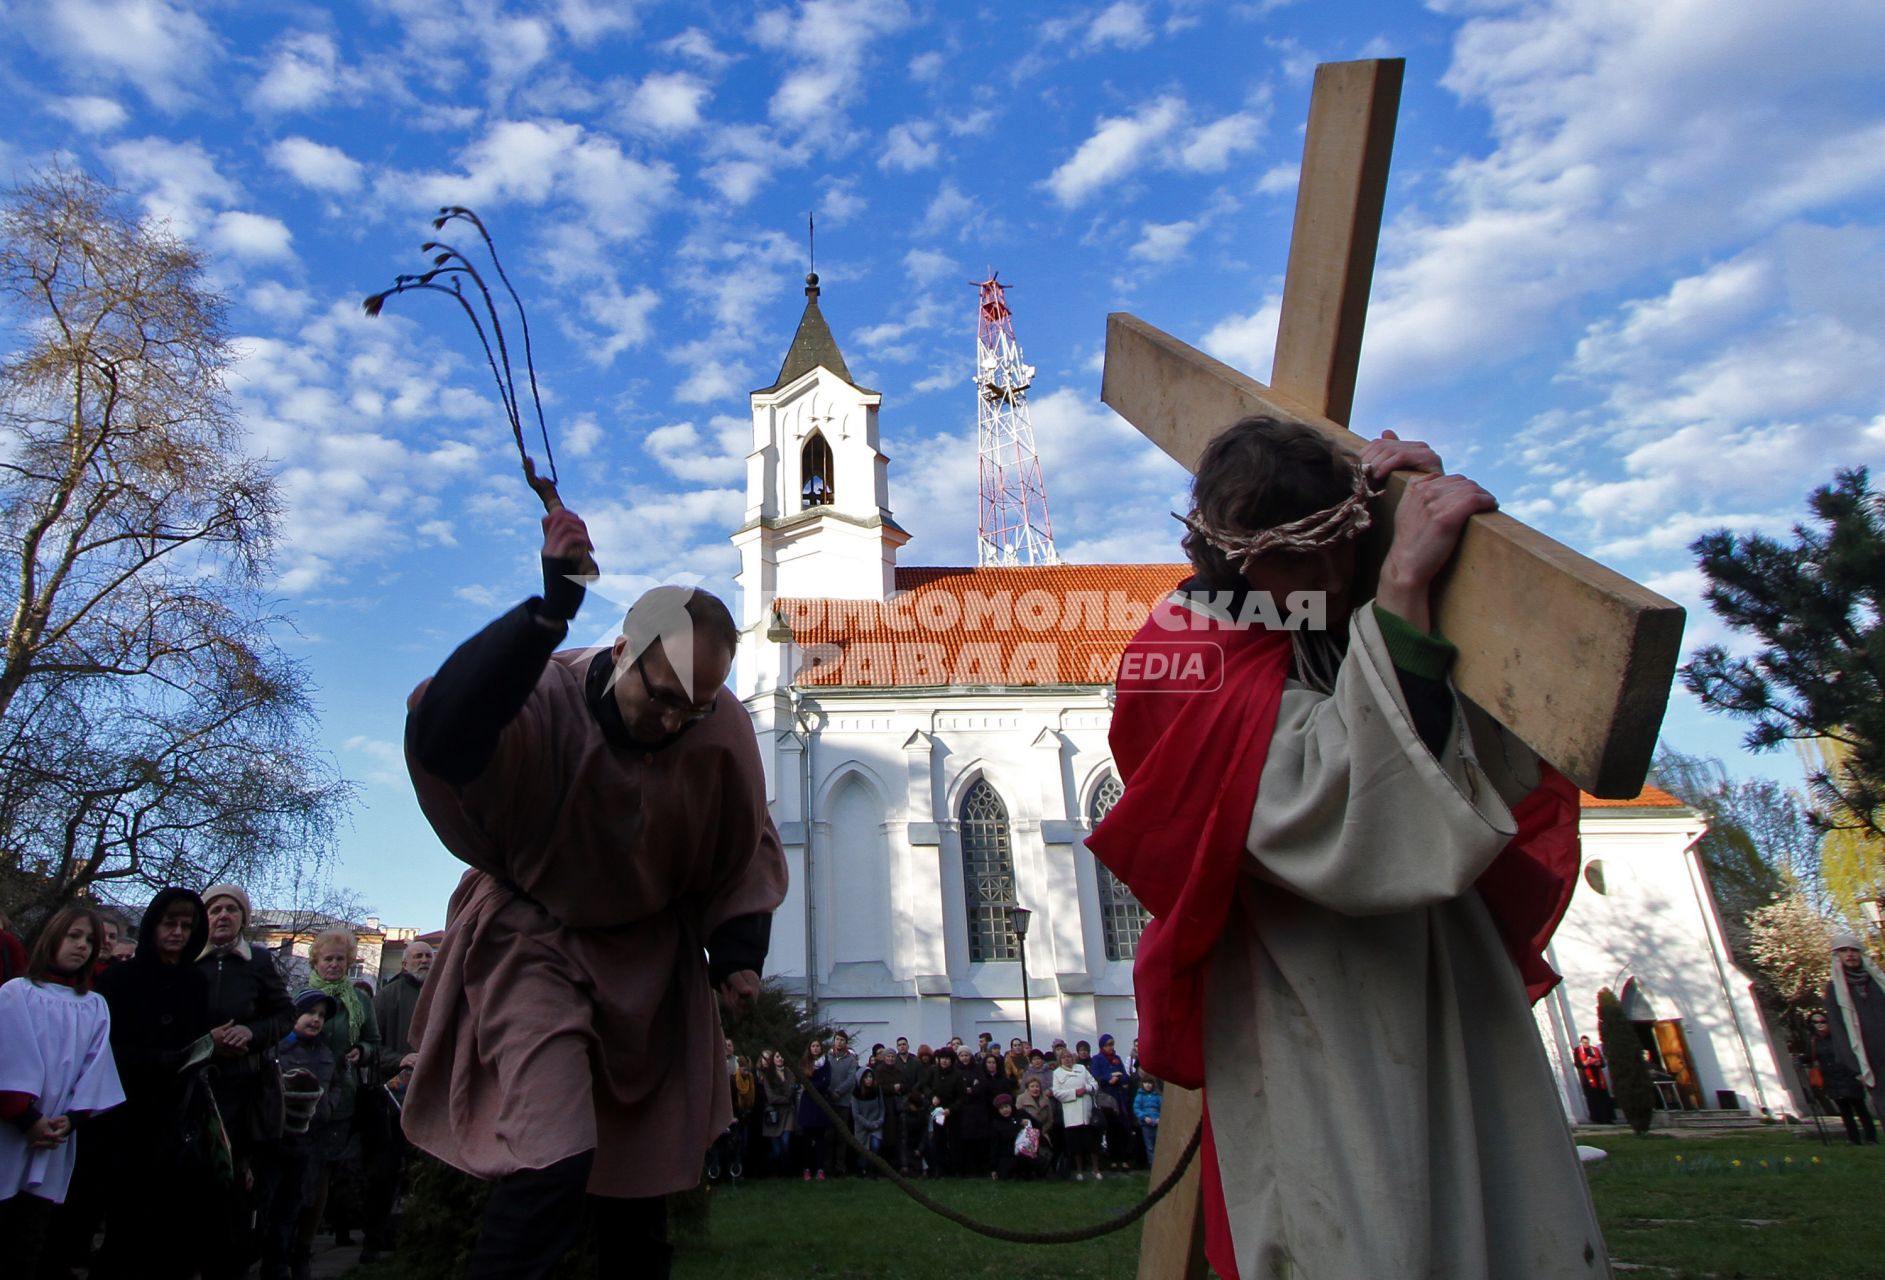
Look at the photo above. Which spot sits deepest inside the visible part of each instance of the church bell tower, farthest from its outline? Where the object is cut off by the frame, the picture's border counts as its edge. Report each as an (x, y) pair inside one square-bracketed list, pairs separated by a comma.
[(817, 517)]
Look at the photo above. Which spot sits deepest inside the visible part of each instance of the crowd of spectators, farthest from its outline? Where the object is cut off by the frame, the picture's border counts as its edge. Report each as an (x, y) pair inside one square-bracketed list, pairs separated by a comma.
[(166, 1087), (232, 1101), (953, 1111)]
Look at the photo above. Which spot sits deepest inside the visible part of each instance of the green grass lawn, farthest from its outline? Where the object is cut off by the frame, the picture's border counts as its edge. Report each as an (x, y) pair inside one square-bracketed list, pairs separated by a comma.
[(1684, 1205), (1700, 1215)]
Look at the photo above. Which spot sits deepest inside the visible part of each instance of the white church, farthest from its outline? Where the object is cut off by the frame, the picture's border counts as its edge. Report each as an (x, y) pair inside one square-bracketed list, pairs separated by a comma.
[(935, 749)]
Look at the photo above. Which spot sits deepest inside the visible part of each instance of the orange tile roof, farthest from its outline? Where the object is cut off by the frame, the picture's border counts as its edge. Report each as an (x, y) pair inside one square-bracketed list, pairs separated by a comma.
[(1648, 798), (1043, 625)]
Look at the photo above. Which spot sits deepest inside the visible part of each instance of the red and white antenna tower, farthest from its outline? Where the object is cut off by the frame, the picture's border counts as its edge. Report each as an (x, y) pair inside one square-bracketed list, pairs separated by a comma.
[(1015, 529)]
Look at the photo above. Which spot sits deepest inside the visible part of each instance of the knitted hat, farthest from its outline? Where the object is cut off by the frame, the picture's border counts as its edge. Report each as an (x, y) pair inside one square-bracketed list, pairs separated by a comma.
[(1843, 940), (235, 891), (1004, 1099), (308, 997), (1105, 1040)]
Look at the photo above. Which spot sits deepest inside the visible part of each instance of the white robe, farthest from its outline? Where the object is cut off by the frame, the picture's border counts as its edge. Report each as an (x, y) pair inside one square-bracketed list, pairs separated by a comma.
[(56, 1045), (1381, 1103)]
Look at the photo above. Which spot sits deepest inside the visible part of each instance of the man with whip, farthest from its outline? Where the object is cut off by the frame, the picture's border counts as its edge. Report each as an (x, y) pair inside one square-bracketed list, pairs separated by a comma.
[(612, 808)]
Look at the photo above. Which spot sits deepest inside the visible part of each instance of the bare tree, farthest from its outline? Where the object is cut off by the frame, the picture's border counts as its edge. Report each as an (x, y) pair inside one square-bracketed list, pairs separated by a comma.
[(151, 730)]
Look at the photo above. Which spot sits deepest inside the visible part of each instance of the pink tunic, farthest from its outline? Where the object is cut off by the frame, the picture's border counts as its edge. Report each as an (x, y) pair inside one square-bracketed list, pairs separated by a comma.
[(569, 1006)]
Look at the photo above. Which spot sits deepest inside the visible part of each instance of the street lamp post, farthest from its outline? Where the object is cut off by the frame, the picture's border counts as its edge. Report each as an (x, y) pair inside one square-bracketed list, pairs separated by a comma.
[(1020, 917)]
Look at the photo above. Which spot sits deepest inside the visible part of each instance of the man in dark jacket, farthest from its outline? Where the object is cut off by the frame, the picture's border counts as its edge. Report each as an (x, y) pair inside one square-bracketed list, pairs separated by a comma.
[(392, 1010)]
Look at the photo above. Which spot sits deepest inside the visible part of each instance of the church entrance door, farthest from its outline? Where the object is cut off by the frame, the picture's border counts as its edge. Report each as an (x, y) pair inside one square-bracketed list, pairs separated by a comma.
[(1673, 1047)]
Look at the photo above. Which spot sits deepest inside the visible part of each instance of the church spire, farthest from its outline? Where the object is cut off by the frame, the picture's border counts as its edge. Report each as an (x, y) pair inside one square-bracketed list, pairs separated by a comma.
[(812, 345)]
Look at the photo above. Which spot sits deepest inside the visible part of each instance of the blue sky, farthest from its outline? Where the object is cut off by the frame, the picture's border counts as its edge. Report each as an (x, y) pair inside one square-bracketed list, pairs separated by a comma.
[(1628, 279)]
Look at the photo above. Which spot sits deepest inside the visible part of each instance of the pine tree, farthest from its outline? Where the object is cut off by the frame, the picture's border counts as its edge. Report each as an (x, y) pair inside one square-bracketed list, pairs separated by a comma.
[(1817, 607), (1630, 1084)]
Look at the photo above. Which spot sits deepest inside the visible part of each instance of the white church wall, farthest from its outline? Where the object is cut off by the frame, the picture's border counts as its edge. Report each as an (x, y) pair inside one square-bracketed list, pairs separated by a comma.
[(890, 920), (1653, 923)]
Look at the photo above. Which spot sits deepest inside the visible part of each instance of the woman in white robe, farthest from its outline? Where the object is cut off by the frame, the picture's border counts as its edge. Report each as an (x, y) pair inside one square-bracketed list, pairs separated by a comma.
[(56, 1069)]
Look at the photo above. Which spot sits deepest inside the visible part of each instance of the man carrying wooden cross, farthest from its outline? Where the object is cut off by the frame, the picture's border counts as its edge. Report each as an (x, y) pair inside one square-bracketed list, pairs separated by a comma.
[(1352, 875), (1353, 870)]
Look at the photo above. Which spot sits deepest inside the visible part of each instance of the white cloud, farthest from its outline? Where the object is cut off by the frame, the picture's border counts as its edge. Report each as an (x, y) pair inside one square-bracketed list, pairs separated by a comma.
[(667, 103), (581, 436), (839, 202), (365, 423), (179, 181), (910, 146), (1114, 150), (928, 65), (303, 72), (926, 266), (688, 454), (1164, 241), (1642, 150), (1248, 342), (317, 165), (535, 161), (1121, 24), (160, 48), (829, 43), (587, 21), (276, 300), (948, 210), (1279, 178), (389, 758), (89, 113), (252, 237), (625, 318), (737, 180), (1209, 148), (697, 45)]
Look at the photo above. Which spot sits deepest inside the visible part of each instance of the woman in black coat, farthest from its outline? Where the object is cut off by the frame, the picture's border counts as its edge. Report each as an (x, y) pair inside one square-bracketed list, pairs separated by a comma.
[(946, 1094), (168, 1157), (982, 1082)]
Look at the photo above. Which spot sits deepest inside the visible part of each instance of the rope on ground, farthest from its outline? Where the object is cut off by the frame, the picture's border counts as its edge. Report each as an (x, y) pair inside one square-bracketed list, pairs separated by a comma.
[(1073, 1235)]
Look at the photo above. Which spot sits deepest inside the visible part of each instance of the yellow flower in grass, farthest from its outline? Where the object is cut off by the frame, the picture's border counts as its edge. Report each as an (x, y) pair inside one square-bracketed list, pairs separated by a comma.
[(1678, 1159), (1763, 1164), (1735, 1163), (1787, 1160), (1816, 1159)]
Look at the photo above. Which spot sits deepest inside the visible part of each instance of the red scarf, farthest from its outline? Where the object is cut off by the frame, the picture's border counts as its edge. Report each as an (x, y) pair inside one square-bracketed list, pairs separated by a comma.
[(1192, 722)]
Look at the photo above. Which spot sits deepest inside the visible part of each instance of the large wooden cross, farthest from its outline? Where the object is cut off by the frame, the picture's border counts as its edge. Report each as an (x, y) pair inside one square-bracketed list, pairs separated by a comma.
[(1572, 657)]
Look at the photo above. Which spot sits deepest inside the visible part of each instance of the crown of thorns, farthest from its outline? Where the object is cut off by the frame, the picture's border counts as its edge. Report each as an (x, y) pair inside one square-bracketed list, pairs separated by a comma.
[(1321, 528)]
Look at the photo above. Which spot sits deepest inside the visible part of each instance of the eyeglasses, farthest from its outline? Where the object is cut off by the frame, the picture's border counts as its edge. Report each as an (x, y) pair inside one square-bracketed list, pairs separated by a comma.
[(689, 713)]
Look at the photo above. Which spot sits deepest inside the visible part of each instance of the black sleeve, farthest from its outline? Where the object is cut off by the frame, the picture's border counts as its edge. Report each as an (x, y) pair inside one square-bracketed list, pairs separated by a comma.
[(454, 729), (1430, 703), (739, 943), (274, 1007)]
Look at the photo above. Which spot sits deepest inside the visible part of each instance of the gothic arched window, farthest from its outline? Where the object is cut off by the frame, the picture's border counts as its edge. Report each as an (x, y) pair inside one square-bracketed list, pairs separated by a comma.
[(1122, 919), (815, 466), (988, 875)]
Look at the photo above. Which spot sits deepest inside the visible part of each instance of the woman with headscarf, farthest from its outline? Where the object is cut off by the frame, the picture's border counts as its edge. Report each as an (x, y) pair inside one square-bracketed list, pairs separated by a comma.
[(169, 1158), (56, 1071)]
